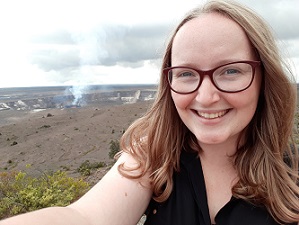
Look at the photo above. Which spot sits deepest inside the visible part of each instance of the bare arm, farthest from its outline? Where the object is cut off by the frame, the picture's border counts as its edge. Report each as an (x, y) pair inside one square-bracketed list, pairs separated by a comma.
[(115, 200)]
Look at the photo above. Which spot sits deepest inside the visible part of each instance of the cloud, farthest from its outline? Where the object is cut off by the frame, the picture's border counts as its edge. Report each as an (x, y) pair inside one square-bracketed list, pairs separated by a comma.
[(293, 46), (54, 58), (132, 44), (92, 42), (106, 45), (281, 15), (57, 37)]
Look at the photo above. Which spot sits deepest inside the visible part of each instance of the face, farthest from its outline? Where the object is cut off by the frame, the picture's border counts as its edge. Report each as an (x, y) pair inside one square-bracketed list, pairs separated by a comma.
[(204, 43)]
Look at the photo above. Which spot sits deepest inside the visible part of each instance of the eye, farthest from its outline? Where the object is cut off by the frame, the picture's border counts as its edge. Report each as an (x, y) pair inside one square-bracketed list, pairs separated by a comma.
[(186, 74), (183, 74), (231, 71)]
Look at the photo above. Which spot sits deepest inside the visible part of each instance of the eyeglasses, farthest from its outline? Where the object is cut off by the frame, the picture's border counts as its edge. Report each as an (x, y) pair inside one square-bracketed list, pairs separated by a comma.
[(231, 77)]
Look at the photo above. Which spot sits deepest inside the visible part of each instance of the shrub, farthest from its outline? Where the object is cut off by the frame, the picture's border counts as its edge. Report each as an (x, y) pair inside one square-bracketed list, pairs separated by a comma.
[(14, 143), (49, 115), (45, 126), (86, 167), (114, 148), (20, 193)]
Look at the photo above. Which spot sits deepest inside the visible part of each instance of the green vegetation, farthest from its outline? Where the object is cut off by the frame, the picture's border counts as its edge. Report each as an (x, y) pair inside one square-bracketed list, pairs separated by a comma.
[(86, 167), (20, 193), (114, 148)]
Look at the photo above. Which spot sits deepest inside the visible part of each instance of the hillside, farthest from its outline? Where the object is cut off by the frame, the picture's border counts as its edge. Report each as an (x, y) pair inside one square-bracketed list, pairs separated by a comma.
[(62, 138)]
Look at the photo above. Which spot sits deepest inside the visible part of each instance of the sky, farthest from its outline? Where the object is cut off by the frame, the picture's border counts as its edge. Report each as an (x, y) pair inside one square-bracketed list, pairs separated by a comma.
[(83, 42)]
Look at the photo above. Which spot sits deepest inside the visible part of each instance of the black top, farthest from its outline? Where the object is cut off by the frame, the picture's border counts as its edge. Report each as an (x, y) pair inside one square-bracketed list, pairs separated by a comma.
[(187, 204)]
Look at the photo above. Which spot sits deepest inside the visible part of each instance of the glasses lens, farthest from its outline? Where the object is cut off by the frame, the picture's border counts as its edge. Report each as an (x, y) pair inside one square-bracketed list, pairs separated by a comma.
[(233, 77), (183, 80)]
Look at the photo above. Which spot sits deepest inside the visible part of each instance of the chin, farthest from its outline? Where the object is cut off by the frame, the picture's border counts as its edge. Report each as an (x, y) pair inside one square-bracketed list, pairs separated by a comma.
[(215, 140)]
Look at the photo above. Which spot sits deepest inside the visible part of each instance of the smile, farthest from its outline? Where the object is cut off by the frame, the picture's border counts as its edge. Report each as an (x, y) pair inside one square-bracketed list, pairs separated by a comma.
[(212, 115)]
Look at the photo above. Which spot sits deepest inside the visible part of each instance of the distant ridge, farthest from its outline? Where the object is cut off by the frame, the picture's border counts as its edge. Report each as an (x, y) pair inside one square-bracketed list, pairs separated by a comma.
[(6, 90), (36, 98)]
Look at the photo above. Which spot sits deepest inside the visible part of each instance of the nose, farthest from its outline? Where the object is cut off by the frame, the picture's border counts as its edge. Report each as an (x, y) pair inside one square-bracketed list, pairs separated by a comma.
[(207, 93)]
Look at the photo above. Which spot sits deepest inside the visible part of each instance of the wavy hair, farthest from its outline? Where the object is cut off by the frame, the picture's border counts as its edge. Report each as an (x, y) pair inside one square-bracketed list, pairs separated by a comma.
[(267, 163)]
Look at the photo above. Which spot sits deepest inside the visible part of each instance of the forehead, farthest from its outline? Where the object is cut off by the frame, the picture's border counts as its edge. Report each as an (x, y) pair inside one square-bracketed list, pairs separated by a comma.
[(211, 36)]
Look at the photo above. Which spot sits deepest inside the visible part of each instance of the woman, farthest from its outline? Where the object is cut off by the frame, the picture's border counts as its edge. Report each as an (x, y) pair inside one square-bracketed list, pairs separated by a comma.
[(216, 146)]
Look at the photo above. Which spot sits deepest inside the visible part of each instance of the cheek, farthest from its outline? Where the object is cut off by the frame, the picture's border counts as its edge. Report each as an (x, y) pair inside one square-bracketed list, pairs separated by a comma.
[(248, 99), (181, 101), (245, 104)]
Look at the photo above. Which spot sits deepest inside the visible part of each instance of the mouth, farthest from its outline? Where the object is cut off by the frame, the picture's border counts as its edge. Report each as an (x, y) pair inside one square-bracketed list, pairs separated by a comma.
[(212, 115)]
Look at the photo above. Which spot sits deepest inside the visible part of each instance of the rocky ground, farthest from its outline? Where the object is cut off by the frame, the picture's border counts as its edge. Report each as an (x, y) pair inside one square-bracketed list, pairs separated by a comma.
[(55, 139)]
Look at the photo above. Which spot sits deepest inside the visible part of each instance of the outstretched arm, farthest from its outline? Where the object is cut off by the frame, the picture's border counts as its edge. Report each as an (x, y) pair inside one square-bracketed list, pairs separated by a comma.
[(114, 200)]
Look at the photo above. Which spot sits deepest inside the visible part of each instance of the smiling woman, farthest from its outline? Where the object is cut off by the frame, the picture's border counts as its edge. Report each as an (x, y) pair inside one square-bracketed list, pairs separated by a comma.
[(227, 125), (216, 147)]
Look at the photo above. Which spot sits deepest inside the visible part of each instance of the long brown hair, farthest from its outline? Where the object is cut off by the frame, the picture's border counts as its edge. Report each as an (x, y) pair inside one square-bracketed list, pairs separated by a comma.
[(267, 163)]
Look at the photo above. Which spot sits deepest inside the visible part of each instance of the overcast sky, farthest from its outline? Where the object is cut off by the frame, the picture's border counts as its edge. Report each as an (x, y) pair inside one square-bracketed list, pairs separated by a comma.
[(62, 42)]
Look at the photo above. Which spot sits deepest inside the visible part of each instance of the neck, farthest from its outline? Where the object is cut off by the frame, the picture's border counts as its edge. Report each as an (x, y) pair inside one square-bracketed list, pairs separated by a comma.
[(219, 154), (218, 164)]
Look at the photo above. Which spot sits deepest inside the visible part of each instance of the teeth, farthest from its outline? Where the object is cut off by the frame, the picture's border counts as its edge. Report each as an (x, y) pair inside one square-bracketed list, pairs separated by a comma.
[(212, 115)]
